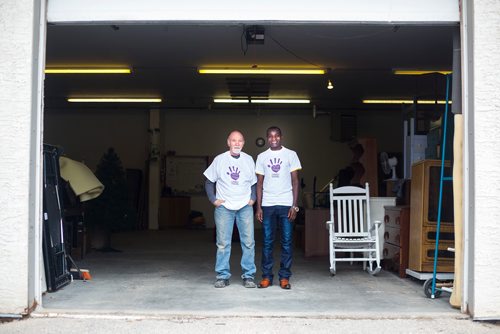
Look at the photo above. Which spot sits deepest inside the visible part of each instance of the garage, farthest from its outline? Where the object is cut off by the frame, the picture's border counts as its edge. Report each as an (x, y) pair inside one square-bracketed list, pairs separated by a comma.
[(23, 100), (165, 256)]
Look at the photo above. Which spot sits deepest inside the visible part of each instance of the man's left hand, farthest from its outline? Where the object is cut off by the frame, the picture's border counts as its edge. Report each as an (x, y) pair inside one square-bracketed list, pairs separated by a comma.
[(292, 214)]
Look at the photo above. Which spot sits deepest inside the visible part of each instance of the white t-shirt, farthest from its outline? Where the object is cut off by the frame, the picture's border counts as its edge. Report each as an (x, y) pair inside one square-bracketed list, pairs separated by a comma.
[(276, 167), (233, 178)]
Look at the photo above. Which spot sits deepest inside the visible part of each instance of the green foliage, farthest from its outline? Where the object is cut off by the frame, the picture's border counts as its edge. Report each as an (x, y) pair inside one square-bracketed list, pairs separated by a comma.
[(111, 209)]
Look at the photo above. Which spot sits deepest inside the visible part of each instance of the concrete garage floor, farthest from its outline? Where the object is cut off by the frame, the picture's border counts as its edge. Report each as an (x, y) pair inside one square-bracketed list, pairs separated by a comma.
[(171, 272)]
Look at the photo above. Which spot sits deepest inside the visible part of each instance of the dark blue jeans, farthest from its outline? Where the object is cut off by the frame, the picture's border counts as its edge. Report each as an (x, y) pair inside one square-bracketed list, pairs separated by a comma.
[(275, 217)]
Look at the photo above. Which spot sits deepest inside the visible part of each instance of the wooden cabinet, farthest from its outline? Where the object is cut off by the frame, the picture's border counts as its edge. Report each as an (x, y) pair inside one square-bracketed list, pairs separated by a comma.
[(423, 218), (396, 238), (174, 211), (316, 233)]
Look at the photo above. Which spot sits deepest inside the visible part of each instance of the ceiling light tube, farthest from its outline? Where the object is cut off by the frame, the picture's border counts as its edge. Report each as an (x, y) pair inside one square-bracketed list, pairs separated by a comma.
[(420, 72), (88, 70), (231, 101), (259, 71), (405, 101), (114, 100), (433, 102), (388, 101), (304, 101)]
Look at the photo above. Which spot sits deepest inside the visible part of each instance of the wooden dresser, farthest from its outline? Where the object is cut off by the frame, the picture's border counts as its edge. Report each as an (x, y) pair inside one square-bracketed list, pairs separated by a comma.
[(423, 218), (396, 238)]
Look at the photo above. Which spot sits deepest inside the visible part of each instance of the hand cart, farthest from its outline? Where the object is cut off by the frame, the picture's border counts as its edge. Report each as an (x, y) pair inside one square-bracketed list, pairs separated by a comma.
[(433, 287)]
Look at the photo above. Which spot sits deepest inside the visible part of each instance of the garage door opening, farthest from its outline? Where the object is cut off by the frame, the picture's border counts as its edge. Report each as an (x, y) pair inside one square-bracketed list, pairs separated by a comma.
[(167, 252)]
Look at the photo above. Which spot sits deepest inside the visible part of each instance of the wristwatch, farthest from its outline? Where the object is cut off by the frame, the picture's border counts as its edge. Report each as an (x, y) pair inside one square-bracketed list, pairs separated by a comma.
[(296, 208)]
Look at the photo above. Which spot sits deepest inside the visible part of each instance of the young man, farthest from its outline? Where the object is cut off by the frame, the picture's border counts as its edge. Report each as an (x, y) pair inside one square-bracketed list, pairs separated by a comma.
[(230, 187), (277, 192)]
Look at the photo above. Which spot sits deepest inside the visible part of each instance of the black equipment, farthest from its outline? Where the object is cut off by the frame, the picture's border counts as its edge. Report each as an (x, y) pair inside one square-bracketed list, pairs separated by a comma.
[(54, 253)]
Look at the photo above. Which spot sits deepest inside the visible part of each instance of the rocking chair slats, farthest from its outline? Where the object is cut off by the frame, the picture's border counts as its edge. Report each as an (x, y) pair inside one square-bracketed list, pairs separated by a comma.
[(350, 228)]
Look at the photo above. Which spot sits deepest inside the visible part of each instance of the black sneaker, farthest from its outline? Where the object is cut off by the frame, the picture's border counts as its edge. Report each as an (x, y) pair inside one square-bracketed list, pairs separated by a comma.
[(221, 283), (249, 283)]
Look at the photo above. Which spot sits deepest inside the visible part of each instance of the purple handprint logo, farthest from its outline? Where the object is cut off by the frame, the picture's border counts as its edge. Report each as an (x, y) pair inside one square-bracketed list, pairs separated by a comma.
[(276, 165), (234, 173)]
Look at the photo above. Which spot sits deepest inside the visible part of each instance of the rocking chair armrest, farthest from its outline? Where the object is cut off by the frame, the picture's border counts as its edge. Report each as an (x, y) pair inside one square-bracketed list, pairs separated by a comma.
[(376, 224), (329, 224)]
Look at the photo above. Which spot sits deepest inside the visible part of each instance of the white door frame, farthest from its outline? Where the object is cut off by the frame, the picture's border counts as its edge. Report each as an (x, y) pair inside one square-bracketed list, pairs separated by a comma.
[(69, 11)]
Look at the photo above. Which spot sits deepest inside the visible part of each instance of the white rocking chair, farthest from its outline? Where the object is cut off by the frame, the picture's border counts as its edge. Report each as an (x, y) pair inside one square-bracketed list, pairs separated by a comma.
[(351, 229)]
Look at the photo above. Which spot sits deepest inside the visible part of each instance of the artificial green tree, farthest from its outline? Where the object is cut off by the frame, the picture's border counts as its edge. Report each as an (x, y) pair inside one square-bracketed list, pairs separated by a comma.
[(111, 210)]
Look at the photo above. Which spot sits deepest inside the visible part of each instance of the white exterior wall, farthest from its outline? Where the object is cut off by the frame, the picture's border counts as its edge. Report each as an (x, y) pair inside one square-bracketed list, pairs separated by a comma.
[(16, 103), (485, 303), (16, 67)]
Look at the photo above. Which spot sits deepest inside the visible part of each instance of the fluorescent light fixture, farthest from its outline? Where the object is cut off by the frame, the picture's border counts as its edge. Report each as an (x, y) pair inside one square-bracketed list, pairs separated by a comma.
[(433, 101), (231, 101), (404, 102), (284, 101), (388, 101), (258, 71), (420, 72), (281, 101), (88, 70), (114, 100)]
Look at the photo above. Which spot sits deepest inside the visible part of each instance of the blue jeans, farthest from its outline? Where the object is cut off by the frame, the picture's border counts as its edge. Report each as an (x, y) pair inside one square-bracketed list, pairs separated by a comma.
[(274, 217), (224, 223)]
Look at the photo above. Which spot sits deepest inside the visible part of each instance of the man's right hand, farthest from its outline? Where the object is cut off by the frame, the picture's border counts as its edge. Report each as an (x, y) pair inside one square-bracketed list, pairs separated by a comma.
[(258, 214), (218, 202)]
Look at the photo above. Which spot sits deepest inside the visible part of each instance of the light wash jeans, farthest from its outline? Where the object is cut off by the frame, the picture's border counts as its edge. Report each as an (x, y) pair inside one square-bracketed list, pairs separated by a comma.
[(224, 223)]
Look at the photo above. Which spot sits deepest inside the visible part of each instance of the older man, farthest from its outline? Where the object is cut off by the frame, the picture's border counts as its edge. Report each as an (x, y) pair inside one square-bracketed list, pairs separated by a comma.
[(230, 187)]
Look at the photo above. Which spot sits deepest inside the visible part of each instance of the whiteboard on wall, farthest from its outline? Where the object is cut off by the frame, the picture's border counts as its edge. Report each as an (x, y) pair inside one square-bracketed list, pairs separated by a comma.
[(184, 174)]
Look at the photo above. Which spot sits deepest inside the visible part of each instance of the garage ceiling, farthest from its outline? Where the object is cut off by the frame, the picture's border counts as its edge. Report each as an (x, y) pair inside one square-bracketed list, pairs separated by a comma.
[(165, 59)]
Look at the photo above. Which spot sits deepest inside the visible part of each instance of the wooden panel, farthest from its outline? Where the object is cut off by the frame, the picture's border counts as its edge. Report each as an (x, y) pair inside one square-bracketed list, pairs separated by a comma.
[(369, 160), (316, 233), (174, 211)]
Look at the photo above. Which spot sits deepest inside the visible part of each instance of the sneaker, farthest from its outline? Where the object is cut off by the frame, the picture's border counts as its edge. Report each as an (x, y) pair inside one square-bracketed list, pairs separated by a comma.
[(249, 283), (221, 283), (285, 284), (265, 283)]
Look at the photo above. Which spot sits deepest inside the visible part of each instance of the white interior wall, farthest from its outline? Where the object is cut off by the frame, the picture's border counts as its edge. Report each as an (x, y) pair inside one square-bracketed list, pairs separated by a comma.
[(85, 135)]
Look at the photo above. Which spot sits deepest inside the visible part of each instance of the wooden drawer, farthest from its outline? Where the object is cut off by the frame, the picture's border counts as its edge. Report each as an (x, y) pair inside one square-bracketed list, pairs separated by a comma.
[(446, 235), (424, 260), (392, 218), (392, 257), (392, 235), (391, 252)]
